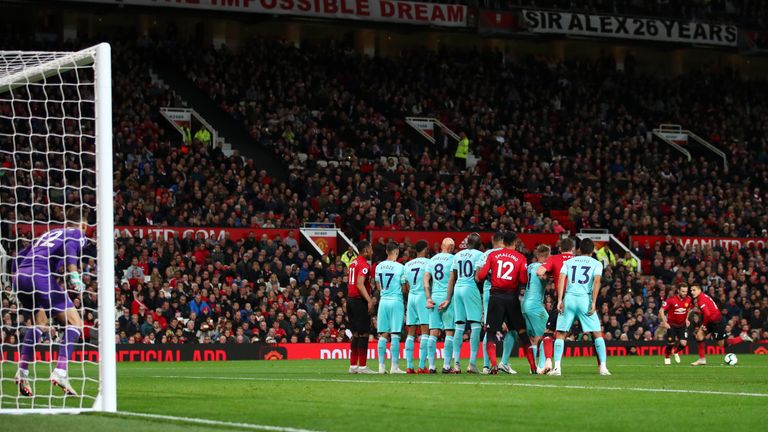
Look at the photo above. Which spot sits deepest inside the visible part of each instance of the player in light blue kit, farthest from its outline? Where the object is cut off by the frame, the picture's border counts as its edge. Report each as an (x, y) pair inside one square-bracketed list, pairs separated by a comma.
[(535, 314), (391, 282), (467, 301), (440, 313), (417, 314), (509, 339), (35, 281), (583, 273)]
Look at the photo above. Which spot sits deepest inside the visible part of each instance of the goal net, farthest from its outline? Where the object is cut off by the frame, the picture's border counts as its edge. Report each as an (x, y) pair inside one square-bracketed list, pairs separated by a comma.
[(57, 340)]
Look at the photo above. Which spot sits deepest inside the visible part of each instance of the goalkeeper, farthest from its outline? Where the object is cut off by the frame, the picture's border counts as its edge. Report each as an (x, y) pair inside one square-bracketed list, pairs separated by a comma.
[(40, 294)]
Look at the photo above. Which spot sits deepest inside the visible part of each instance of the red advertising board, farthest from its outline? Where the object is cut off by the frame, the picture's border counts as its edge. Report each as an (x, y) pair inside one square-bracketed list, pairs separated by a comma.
[(436, 237), (697, 242)]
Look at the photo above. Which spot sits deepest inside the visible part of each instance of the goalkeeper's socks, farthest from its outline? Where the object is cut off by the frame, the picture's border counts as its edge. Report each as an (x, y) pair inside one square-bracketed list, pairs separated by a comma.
[(506, 349), (431, 350), (474, 342), (71, 336), (409, 342), (447, 351), (395, 348), (559, 347), (31, 338), (486, 359), (458, 340), (423, 346), (382, 350), (600, 348)]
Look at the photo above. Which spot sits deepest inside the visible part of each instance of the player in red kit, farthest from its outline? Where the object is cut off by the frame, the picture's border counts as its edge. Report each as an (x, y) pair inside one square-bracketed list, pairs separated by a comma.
[(507, 271), (674, 317), (712, 323), (360, 307), (552, 267)]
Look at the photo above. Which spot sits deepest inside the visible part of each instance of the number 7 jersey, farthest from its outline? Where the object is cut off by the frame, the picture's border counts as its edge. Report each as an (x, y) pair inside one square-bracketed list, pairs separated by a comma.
[(581, 272)]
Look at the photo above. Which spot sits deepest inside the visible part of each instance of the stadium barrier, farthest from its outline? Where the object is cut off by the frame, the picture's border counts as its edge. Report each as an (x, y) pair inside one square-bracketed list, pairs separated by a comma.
[(334, 351)]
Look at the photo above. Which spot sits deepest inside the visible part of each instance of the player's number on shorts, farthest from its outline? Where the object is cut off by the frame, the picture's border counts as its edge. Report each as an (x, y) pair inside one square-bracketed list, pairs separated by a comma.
[(504, 270), (584, 273), (415, 275), (48, 239), (389, 279), (465, 269), (439, 272)]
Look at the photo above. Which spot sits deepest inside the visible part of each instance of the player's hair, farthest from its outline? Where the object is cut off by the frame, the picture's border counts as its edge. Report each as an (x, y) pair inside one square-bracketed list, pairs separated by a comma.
[(76, 215), (421, 246), (509, 238), (391, 247), (587, 246), (363, 245), (473, 241), (542, 250), (498, 237), (566, 244)]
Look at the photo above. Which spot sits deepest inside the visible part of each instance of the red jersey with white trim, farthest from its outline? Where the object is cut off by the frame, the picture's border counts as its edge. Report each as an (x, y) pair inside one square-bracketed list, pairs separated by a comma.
[(554, 264), (507, 268), (358, 267), (708, 308), (677, 309)]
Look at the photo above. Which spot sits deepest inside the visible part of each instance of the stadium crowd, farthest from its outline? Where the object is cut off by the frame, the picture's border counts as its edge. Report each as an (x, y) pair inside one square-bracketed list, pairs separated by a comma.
[(574, 132)]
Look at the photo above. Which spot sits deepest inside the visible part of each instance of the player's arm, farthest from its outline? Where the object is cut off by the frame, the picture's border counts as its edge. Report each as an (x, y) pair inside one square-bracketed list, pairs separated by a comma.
[(451, 283), (363, 292), (72, 248), (663, 315), (541, 272), (404, 285), (595, 293), (481, 274), (427, 292), (560, 285)]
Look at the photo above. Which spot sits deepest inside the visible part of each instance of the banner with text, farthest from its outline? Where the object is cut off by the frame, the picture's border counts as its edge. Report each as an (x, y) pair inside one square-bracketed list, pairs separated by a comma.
[(436, 237), (726, 243), (391, 11), (623, 27)]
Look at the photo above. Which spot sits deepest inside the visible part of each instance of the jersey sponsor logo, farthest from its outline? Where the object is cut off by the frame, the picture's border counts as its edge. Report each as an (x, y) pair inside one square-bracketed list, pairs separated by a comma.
[(680, 311)]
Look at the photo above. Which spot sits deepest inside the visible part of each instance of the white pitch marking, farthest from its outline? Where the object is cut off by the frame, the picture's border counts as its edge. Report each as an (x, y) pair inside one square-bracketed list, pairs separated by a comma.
[(249, 426), (511, 384)]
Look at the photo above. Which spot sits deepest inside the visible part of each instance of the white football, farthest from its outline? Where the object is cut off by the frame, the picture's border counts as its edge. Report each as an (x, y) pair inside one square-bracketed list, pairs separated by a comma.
[(731, 359)]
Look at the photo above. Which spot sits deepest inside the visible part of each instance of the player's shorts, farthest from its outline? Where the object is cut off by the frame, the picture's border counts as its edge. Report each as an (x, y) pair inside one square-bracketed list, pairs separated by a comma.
[(486, 299), (536, 318), (438, 319), (677, 334), (467, 305), (417, 313), (40, 293), (552, 320), (578, 307), (359, 318), (390, 316), (504, 307), (716, 329)]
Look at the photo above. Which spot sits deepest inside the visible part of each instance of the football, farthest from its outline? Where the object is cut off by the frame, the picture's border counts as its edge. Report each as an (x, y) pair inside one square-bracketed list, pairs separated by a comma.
[(731, 359)]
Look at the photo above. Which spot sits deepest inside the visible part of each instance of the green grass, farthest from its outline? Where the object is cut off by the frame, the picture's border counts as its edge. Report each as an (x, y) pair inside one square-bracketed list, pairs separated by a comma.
[(320, 395)]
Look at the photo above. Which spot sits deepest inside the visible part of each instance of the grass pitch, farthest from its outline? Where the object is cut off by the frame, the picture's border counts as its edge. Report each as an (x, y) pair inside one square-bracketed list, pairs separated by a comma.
[(642, 395)]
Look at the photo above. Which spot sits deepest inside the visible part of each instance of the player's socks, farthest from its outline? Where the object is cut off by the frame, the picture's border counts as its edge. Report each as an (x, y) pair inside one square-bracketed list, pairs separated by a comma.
[(667, 350), (525, 341), (395, 348), (600, 348), (431, 350), (559, 346), (506, 349), (548, 347), (474, 342), (31, 338), (535, 351), (702, 349), (458, 340), (490, 346), (362, 350), (382, 350), (447, 351), (542, 357), (353, 356), (409, 342), (71, 336), (423, 346), (486, 360)]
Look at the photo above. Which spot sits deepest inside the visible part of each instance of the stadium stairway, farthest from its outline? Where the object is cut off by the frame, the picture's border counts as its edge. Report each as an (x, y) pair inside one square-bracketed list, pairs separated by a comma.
[(227, 126)]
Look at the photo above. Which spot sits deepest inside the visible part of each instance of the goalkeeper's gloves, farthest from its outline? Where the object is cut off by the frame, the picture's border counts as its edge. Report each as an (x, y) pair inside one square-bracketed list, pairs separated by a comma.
[(74, 279)]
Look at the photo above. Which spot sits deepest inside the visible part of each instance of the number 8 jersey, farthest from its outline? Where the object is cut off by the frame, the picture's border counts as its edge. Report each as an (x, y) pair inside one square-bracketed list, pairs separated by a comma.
[(581, 272)]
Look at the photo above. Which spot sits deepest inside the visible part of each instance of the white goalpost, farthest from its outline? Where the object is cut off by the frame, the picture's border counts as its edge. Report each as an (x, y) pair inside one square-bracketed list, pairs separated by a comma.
[(56, 154)]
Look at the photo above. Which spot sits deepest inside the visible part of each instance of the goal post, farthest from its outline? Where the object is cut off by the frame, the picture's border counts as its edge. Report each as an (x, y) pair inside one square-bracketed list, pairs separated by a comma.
[(56, 153)]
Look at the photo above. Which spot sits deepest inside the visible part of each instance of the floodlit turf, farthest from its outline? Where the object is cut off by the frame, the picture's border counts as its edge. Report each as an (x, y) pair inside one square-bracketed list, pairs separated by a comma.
[(320, 395)]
